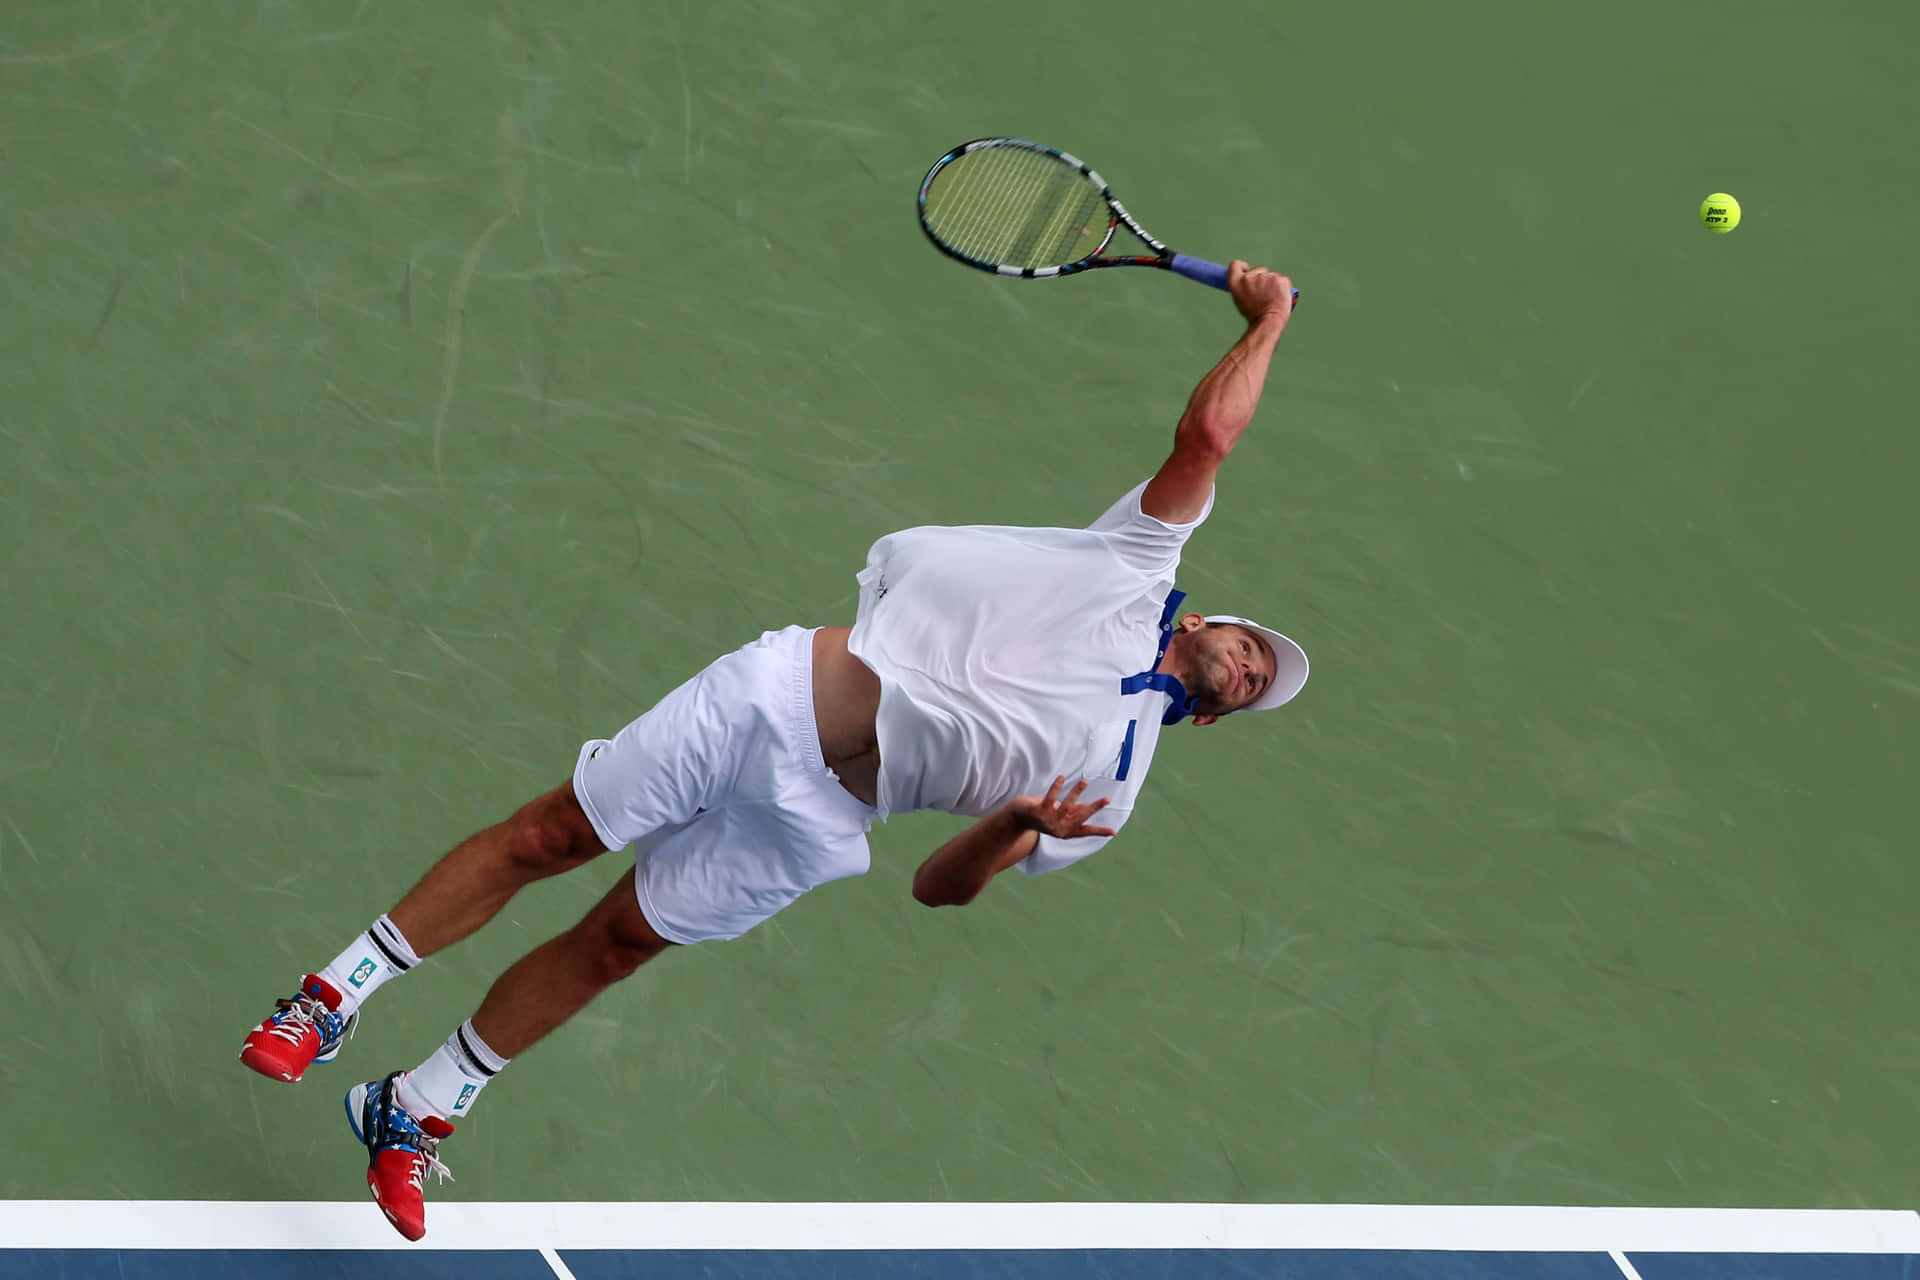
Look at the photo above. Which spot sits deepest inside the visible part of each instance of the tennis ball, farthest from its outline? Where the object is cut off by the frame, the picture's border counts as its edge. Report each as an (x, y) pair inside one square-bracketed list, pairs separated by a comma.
[(1720, 213)]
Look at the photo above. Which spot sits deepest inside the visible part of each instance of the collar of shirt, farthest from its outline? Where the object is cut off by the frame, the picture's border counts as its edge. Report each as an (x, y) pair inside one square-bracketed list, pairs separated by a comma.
[(1181, 704)]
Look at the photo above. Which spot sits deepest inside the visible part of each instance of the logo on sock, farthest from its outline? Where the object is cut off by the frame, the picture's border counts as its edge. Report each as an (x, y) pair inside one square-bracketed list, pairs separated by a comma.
[(466, 1095), (360, 975)]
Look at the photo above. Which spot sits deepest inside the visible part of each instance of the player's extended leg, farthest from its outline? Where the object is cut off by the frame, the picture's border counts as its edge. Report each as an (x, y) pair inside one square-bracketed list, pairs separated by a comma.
[(462, 891), (402, 1118)]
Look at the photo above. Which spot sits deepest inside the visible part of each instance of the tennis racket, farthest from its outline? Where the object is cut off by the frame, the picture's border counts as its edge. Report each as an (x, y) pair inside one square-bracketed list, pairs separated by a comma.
[(1020, 208)]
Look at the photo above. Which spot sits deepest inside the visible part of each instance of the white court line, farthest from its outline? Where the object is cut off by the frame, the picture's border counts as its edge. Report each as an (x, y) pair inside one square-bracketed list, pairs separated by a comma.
[(1620, 1260), (561, 1273), (281, 1224)]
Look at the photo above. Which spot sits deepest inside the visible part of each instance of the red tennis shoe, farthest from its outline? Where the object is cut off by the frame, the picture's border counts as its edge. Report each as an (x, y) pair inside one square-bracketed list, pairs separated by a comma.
[(401, 1151), (303, 1030)]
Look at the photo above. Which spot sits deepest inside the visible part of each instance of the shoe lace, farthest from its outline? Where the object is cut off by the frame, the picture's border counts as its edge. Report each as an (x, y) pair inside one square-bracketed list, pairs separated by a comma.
[(296, 1015), (426, 1157), (300, 1011)]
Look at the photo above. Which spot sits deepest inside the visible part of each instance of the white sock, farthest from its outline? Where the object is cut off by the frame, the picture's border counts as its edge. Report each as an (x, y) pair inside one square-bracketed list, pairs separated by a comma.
[(379, 954), (446, 1084)]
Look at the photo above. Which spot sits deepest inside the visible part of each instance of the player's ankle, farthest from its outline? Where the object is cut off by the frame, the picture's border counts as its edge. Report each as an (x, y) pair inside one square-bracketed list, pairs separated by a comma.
[(373, 959), (449, 1082)]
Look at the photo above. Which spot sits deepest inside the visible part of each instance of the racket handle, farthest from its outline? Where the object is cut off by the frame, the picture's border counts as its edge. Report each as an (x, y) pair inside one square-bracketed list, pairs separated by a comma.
[(1208, 273)]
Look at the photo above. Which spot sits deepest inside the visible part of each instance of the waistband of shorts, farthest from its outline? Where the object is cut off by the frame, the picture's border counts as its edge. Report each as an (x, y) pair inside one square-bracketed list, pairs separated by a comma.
[(797, 642), (797, 646)]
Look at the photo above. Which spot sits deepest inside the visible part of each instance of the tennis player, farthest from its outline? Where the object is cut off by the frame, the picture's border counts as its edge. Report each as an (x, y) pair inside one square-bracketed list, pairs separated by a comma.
[(1019, 676)]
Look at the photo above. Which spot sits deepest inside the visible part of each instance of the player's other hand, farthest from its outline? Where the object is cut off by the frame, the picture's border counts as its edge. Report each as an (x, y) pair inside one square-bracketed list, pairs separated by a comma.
[(1259, 292), (1061, 816)]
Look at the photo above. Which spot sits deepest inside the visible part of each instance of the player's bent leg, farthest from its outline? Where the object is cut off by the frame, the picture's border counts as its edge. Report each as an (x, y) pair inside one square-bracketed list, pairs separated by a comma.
[(461, 892), (466, 888)]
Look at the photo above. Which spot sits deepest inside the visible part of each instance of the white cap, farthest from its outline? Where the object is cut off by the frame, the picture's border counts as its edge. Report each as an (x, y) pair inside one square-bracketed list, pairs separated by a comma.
[(1289, 664)]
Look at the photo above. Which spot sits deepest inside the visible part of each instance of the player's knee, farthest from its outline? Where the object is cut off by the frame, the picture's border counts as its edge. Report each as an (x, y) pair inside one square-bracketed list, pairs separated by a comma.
[(615, 961), (551, 835), (535, 847), (616, 952)]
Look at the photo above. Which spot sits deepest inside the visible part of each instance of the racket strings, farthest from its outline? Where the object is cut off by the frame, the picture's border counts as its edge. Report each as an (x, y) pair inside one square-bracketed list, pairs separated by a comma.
[(1002, 203), (1014, 207)]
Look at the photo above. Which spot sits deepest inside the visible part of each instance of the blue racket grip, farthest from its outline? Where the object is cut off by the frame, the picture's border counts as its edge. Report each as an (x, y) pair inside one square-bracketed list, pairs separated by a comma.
[(1208, 273)]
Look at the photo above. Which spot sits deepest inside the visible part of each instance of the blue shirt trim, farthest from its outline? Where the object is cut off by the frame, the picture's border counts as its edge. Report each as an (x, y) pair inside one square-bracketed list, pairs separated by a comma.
[(1153, 678)]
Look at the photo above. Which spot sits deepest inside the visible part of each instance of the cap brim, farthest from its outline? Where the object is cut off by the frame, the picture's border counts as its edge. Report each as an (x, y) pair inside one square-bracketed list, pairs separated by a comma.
[(1289, 664)]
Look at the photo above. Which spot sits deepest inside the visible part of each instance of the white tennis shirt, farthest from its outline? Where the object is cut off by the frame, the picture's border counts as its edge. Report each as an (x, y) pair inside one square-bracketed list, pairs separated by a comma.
[(1005, 656)]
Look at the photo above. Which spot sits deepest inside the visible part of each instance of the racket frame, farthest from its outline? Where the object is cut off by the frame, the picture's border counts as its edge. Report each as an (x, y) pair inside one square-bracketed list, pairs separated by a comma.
[(1117, 216), (1201, 270)]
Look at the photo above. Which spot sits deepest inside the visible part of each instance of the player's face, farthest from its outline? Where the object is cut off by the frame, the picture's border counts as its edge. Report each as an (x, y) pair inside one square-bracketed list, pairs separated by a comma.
[(1227, 667)]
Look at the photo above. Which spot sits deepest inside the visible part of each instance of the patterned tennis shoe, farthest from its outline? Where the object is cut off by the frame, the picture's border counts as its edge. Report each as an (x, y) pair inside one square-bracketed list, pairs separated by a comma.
[(303, 1030), (401, 1150)]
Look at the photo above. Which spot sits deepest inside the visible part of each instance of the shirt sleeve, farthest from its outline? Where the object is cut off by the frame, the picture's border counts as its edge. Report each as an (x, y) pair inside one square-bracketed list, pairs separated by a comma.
[(1052, 853), (1143, 541)]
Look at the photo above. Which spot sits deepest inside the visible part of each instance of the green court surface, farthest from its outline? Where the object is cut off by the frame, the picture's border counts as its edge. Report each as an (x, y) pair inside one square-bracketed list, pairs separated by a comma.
[(397, 395)]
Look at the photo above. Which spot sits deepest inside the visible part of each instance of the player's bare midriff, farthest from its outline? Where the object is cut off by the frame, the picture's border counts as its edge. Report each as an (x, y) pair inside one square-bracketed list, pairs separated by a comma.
[(846, 704)]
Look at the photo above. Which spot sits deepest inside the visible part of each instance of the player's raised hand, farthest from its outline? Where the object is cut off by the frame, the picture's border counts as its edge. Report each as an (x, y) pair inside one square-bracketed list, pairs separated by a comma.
[(1259, 292), (1063, 817)]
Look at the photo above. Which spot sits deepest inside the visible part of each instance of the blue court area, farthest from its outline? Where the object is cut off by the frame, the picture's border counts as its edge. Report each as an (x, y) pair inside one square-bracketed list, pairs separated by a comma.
[(189, 1240)]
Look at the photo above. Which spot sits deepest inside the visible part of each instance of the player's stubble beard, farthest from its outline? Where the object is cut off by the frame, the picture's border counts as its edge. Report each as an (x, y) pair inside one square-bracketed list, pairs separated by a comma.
[(1209, 674)]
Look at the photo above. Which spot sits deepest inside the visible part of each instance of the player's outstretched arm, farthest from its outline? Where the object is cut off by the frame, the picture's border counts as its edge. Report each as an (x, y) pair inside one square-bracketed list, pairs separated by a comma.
[(958, 870), (1222, 405)]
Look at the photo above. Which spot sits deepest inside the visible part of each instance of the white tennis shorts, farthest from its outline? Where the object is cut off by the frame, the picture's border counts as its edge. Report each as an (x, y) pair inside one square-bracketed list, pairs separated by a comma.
[(723, 792)]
